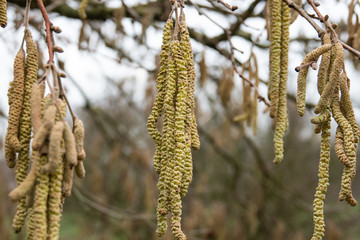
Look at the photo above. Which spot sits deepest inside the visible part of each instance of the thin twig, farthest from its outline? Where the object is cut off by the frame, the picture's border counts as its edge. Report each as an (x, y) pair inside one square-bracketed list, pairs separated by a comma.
[(48, 25), (232, 54), (235, 66), (324, 20), (228, 6), (319, 30)]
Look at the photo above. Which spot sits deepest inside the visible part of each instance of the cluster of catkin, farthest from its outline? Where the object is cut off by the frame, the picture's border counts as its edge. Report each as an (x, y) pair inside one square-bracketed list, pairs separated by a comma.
[(249, 96), (175, 101), (56, 149), (278, 68), (331, 82)]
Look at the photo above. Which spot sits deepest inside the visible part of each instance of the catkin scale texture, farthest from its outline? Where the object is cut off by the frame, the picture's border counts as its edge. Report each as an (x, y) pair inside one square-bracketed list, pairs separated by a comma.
[(282, 117), (3, 16), (16, 95), (31, 69), (175, 100), (275, 56), (335, 72), (318, 215), (301, 91)]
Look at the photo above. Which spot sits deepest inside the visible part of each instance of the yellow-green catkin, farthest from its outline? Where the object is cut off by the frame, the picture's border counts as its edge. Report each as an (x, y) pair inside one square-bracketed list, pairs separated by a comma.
[(312, 56), (282, 117), (159, 99), (167, 148), (274, 56), (323, 73), (16, 95), (339, 148), (186, 49), (31, 69), (54, 198), (335, 71), (347, 108), (40, 209), (319, 222), (349, 146), (191, 135), (82, 8), (3, 16), (178, 161)]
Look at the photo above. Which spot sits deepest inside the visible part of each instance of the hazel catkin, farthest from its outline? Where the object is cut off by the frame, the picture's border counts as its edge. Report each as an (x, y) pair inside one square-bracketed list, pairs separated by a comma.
[(45, 128), (31, 69), (16, 95), (301, 81), (3, 16), (335, 72), (70, 147), (54, 155), (319, 222)]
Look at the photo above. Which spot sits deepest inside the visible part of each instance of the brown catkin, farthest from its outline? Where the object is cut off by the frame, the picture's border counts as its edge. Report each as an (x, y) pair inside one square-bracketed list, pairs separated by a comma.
[(54, 156), (26, 186), (70, 147), (79, 132), (16, 96), (36, 107), (80, 169), (67, 180), (3, 16), (45, 128)]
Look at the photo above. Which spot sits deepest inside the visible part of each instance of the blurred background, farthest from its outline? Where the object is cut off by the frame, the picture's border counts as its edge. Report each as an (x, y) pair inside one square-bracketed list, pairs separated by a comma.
[(111, 60)]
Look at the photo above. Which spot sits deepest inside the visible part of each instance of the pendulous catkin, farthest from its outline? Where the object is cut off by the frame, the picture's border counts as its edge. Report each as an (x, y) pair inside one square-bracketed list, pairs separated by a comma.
[(332, 80), (175, 99), (319, 222), (281, 115), (55, 148), (31, 69), (16, 96), (3, 16)]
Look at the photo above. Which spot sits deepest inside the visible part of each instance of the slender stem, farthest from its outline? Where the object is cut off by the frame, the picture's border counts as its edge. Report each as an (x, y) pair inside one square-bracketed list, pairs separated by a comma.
[(228, 6), (324, 20), (48, 25), (232, 57), (305, 15), (319, 30)]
